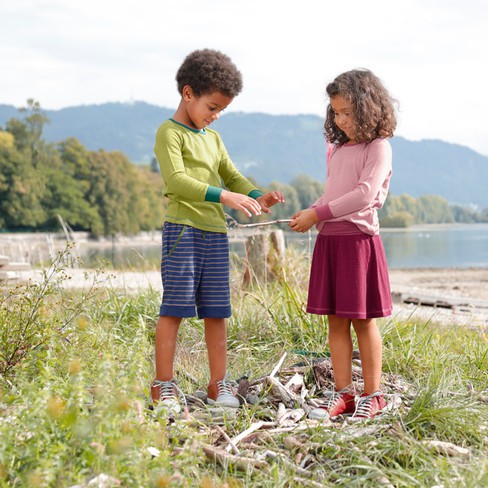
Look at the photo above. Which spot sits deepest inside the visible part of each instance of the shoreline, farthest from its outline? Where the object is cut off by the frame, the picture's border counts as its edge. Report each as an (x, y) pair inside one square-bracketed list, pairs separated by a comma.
[(466, 289)]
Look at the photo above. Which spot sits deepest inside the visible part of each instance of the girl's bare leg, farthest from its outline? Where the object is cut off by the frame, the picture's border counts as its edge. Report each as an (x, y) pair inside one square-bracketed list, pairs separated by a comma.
[(340, 344), (370, 349)]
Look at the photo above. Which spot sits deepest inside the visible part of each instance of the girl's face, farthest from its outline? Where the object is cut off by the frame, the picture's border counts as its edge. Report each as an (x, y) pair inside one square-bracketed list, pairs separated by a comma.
[(205, 109), (344, 116)]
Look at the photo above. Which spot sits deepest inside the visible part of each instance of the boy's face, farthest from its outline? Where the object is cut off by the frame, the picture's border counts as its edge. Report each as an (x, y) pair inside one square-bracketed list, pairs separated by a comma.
[(205, 109)]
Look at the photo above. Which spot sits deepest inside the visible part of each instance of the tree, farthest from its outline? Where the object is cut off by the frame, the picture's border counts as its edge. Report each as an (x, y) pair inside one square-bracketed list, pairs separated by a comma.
[(308, 190), (21, 181), (434, 209)]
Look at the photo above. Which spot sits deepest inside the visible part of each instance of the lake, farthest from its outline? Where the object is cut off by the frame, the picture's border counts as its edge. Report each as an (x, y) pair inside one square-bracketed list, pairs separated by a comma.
[(429, 246)]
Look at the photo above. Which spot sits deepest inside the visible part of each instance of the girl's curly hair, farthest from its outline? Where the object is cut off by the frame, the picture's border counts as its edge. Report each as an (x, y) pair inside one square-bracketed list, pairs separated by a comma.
[(209, 71), (373, 107)]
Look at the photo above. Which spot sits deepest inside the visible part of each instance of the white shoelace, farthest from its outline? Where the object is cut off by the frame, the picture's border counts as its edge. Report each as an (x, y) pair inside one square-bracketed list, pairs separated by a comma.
[(168, 391), (335, 398), (364, 404), (223, 388)]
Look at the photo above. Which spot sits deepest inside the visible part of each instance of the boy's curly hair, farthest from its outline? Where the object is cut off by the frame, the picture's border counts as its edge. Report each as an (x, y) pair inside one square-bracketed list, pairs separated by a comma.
[(209, 71), (373, 107)]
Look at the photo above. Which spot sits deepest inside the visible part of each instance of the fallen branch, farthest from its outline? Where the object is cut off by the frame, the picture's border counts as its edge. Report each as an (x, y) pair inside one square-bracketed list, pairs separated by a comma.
[(253, 428), (278, 365), (241, 463), (447, 448), (287, 397), (228, 439)]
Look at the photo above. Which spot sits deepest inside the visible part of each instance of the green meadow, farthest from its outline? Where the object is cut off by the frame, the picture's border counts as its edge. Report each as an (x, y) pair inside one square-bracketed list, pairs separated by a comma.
[(76, 366)]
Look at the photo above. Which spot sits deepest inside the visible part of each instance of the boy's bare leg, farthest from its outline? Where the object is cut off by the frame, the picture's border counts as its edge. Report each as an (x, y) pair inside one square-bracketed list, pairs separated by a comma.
[(370, 349), (340, 344), (165, 346), (216, 340)]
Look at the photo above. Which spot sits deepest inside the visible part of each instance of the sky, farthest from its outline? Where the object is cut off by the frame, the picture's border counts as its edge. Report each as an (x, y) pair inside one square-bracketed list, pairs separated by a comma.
[(430, 54)]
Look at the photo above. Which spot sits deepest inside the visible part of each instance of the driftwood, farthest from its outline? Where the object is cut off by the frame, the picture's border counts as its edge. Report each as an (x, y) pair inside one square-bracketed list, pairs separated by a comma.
[(447, 448), (278, 365), (247, 432), (282, 435), (242, 463)]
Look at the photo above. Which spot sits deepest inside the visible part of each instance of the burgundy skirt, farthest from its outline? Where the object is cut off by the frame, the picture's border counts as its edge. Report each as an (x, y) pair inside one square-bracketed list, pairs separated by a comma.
[(349, 277)]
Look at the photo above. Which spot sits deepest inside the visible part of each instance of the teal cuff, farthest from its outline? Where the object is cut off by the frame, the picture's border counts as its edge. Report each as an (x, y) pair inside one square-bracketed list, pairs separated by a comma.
[(255, 194), (213, 194)]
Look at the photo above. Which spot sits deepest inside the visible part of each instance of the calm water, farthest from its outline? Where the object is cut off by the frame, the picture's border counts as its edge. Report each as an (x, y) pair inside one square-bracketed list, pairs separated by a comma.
[(436, 246)]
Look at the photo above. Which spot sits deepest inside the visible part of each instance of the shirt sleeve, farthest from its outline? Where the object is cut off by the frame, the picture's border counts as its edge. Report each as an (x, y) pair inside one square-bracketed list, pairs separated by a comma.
[(375, 171)]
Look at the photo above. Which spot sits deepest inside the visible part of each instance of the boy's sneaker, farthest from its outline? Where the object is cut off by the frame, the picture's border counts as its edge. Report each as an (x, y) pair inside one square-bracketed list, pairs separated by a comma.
[(165, 393), (220, 393), (369, 405), (342, 401)]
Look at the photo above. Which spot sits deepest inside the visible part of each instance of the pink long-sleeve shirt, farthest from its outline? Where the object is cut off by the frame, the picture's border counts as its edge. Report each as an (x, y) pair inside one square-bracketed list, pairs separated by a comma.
[(358, 177)]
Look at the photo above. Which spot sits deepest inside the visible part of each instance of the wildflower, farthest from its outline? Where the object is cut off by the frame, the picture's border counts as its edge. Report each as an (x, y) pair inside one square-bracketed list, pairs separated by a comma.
[(154, 452)]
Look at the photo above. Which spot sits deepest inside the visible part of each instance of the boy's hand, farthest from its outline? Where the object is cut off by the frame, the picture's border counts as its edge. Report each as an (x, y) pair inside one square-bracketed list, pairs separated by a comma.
[(270, 199), (238, 201), (303, 220)]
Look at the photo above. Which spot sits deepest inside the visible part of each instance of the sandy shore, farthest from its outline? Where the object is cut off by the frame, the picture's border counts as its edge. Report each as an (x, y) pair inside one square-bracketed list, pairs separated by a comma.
[(465, 289)]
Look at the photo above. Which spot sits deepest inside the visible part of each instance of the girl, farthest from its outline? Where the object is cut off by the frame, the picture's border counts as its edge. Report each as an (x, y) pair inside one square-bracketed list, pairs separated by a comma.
[(349, 276)]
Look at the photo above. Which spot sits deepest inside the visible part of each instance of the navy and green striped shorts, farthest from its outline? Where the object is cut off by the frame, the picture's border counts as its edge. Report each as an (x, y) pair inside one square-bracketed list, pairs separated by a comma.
[(195, 273)]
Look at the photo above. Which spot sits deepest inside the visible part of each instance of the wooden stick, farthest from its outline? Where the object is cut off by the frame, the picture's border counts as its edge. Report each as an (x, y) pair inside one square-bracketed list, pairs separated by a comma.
[(262, 224), (228, 439), (278, 366), (254, 427), (222, 457)]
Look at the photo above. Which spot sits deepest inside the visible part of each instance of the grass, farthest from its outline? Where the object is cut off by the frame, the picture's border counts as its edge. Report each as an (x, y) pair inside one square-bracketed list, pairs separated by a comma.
[(76, 366)]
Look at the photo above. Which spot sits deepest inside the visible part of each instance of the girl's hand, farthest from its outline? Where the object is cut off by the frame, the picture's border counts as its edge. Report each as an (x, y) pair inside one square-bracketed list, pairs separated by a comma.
[(247, 205), (303, 220), (270, 199)]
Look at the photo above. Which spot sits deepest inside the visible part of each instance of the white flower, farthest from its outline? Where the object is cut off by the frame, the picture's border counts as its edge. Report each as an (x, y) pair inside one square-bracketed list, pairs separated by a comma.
[(153, 451)]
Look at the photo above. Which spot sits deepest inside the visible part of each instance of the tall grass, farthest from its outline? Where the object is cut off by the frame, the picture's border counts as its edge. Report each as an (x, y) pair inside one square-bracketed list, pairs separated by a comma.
[(73, 401)]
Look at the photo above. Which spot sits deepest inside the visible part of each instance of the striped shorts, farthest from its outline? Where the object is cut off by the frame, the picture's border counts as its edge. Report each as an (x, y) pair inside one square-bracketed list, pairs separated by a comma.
[(195, 273)]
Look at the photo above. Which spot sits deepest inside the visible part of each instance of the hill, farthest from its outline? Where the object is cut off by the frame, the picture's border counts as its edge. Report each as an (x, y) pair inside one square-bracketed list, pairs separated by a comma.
[(272, 147)]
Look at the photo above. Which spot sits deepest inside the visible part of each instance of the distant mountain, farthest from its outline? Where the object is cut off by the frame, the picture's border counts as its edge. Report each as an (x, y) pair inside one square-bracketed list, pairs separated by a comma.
[(272, 147)]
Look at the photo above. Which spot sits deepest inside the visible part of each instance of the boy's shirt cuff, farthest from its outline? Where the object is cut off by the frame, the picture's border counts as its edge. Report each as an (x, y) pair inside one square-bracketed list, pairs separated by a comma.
[(213, 194), (255, 194)]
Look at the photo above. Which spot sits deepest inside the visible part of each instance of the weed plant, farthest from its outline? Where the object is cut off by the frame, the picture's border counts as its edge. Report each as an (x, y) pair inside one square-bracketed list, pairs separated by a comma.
[(76, 366)]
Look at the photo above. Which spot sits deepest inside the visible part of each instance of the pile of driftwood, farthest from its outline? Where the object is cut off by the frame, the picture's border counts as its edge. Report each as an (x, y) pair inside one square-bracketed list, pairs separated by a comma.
[(282, 433), (285, 397)]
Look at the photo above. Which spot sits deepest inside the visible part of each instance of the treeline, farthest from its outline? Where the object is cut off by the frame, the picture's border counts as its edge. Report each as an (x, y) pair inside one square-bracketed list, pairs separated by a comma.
[(105, 194), (398, 211), (404, 210), (97, 191)]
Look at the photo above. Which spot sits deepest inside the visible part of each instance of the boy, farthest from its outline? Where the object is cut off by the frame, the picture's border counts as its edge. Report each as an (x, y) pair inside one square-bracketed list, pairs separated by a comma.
[(195, 256)]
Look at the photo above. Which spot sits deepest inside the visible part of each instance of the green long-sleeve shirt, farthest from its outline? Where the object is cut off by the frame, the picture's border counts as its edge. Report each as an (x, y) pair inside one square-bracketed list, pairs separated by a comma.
[(194, 163)]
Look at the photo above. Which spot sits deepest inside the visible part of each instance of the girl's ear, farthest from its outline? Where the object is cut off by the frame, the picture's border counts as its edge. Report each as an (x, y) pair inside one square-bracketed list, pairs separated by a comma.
[(187, 93)]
